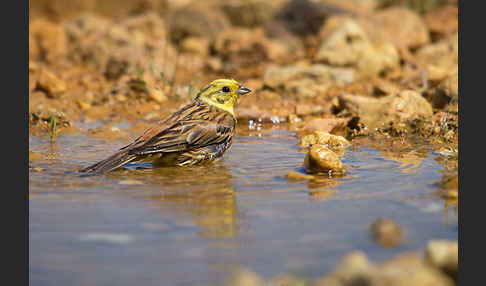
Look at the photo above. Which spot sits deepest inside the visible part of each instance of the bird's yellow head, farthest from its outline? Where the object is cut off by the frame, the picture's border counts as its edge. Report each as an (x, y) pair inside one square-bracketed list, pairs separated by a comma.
[(222, 93)]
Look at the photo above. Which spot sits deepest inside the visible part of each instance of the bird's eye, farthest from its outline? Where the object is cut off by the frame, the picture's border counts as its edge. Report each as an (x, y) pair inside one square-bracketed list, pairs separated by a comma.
[(226, 89)]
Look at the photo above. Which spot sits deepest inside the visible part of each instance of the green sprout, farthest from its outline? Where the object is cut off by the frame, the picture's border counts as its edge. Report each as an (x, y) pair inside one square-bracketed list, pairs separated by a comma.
[(52, 129)]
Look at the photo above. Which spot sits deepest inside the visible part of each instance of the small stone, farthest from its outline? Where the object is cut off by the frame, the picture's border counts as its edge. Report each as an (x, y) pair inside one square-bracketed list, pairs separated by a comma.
[(322, 159), (157, 95), (334, 142), (443, 254), (354, 269), (50, 83), (409, 269), (83, 105), (245, 277), (387, 233)]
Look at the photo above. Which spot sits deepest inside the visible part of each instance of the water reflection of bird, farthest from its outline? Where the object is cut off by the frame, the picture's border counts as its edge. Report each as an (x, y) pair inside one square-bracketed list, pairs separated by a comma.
[(199, 132), (204, 192)]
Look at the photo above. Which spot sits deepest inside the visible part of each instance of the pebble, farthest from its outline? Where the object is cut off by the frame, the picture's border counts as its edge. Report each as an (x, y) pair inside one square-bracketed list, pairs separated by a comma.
[(322, 159), (387, 233)]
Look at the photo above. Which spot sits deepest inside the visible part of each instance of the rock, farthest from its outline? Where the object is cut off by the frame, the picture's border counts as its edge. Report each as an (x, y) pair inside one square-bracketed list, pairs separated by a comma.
[(33, 75), (115, 68), (322, 159), (354, 269), (196, 45), (382, 26), (405, 269), (305, 81), (196, 19), (442, 21), (50, 83), (386, 233), (242, 51), (304, 17), (344, 43), (326, 125), (83, 105), (157, 95), (445, 93), (381, 112), (440, 60), (50, 40), (249, 13), (245, 277), (116, 48), (33, 47), (409, 269), (333, 142), (286, 48), (443, 255)]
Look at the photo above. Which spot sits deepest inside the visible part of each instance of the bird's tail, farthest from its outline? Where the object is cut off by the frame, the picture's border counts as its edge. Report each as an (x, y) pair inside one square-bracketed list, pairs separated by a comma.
[(110, 163)]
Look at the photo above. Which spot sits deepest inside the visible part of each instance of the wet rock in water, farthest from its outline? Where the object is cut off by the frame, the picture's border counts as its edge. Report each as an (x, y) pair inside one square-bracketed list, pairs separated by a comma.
[(354, 269), (245, 277), (322, 159), (381, 112), (408, 33), (386, 233), (409, 269), (50, 40), (196, 45), (442, 21), (304, 81), (196, 19), (345, 43), (440, 59), (333, 142), (443, 254), (50, 83)]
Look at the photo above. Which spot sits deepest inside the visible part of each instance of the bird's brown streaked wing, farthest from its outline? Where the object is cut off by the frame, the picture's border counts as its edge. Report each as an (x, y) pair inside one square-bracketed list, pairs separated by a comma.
[(160, 126), (185, 136)]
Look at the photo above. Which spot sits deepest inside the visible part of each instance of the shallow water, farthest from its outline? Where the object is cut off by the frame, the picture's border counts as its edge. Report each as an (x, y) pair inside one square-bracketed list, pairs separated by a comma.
[(192, 226)]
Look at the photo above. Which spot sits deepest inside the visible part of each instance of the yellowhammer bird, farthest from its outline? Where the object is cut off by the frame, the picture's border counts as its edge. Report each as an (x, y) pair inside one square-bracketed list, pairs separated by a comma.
[(199, 132)]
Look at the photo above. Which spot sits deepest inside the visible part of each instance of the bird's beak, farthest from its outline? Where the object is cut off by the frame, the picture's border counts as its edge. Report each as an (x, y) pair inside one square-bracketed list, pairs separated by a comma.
[(242, 90)]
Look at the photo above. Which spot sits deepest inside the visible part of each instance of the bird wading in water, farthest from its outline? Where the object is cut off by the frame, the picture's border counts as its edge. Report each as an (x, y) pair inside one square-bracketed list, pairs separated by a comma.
[(199, 132)]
